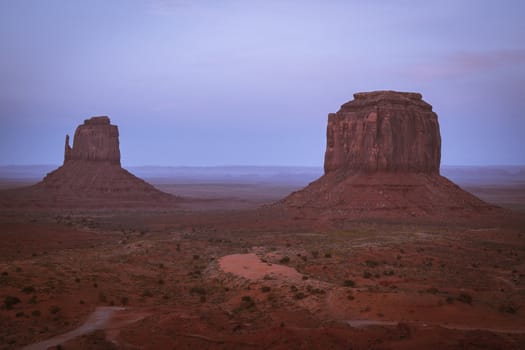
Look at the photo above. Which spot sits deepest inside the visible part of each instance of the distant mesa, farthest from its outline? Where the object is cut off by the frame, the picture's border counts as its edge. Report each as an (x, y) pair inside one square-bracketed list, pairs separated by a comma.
[(382, 160), (92, 175)]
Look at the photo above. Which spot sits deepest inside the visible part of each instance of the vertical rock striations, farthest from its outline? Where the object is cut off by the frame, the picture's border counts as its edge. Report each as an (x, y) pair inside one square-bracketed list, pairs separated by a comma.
[(383, 131), (95, 140), (382, 160)]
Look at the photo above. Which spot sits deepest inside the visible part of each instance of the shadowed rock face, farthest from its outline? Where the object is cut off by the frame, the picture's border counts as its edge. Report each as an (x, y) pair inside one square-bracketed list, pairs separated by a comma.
[(383, 131), (95, 140)]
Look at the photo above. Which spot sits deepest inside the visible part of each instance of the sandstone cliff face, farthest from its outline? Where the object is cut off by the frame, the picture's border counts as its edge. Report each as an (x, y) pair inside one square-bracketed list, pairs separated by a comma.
[(95, 140), (384, 131)]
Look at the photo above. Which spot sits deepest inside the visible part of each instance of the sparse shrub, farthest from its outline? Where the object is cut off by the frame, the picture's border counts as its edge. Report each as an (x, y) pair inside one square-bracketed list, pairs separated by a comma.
[(198, 290), (284, 260), (28, 289), (81, 302), (508, 308), (432, 290), (36, 313), (367, 274), (77, 280), (32, 300), (305, 278), (5, 273), (293, 288), (349, 283), (54, 309), (388, 272), (465, 298), (160, 281), (247, 302), (196, 257), (315, 254), (10, 301), (299, 296), (102, 297), (202, 299), (328, 255), (449, 300), (265, 289), (371, 263), (147, 293)]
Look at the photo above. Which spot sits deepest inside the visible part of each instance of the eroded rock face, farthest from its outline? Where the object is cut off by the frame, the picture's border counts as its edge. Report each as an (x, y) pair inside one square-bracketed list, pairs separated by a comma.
[(383, 131), (95, 140)]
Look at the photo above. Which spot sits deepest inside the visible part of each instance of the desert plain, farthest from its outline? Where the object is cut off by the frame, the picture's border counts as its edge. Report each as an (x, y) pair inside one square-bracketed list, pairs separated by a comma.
[(216, 271)]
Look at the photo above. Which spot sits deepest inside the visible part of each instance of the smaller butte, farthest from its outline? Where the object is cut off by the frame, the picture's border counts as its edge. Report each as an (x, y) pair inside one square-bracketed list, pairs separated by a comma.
[(91, 175)]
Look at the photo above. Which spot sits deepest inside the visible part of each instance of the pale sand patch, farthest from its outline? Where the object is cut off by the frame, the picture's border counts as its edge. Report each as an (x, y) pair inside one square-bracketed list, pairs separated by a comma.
[(251, 267)]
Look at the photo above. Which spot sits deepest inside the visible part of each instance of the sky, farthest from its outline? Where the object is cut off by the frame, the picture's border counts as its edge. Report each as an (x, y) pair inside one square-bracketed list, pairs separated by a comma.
[(240, 82)]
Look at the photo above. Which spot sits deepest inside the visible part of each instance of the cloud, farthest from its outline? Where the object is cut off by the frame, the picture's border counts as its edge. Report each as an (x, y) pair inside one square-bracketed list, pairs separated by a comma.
[(467, 63)]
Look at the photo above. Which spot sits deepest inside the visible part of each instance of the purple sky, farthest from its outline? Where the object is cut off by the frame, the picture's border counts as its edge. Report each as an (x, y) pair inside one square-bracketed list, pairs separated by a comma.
[(238, 82)]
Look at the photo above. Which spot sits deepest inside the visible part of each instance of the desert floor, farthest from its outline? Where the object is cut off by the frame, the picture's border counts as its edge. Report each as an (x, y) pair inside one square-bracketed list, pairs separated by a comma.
[(211, 274)]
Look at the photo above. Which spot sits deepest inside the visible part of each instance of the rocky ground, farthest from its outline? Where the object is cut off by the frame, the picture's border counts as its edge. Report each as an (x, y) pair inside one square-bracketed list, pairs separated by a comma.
[(215, 279)]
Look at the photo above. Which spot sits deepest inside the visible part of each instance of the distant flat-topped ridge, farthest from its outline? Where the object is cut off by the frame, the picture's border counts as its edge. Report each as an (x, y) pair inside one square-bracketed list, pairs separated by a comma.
[(386, 99)]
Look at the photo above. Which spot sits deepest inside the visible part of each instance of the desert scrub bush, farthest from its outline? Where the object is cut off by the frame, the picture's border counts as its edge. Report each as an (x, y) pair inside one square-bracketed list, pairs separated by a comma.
[(328, 255), (197, 290), (147, 293), (54, 309), (349, 283), (33, 300), (508, 308), (315, 254), (371, 263), (284, 260), (36, 313), (124, 301), (367, 274), (247, 302), (10, 301), (299, 296), (102, 297), (28, 289), (265, 289), (465, 298)]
